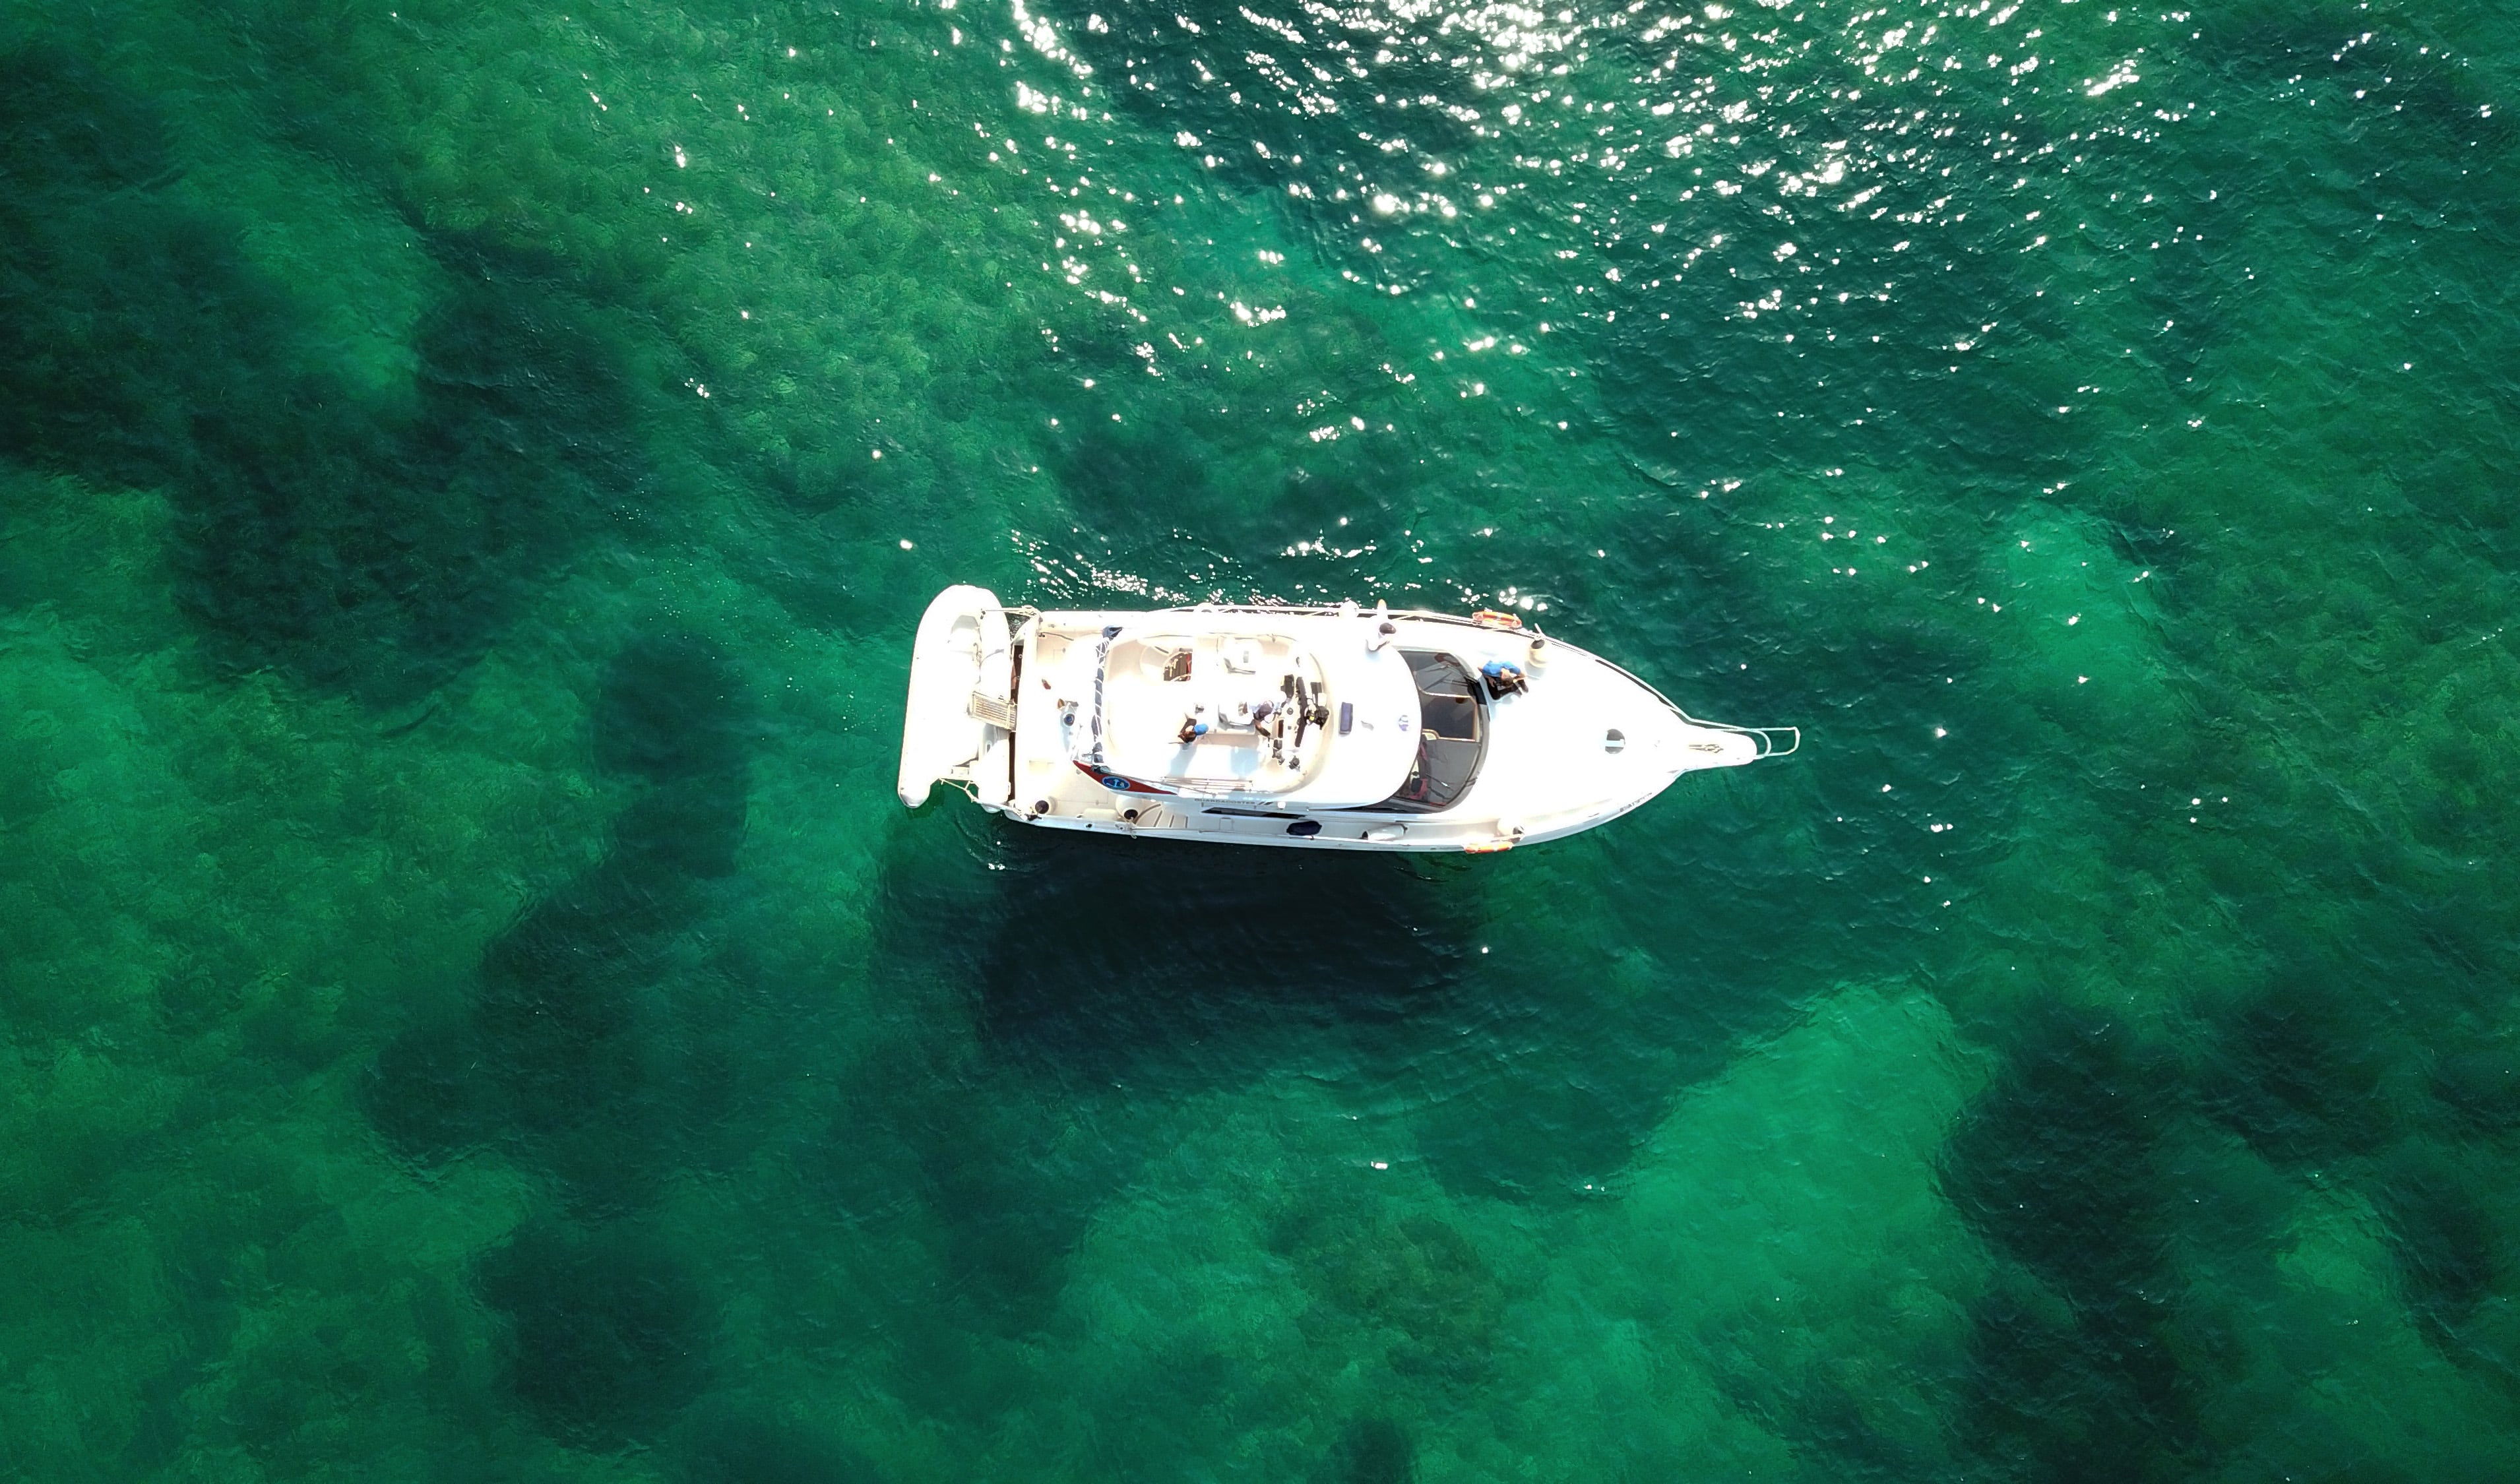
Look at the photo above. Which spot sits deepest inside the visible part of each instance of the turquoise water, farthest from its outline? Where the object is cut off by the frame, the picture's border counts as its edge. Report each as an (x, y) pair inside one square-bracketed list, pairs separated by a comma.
[(476, 1011)]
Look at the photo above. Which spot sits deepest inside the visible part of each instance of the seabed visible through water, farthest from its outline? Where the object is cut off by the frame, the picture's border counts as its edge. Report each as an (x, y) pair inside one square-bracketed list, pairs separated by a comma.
[(474, 1009)]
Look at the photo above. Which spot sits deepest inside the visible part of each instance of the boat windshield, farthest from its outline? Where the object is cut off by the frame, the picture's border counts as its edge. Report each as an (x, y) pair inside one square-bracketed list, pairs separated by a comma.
[(1452, 735)]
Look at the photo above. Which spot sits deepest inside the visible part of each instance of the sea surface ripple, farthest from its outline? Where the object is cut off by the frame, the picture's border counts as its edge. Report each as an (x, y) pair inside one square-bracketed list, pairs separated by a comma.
[(468, 471)]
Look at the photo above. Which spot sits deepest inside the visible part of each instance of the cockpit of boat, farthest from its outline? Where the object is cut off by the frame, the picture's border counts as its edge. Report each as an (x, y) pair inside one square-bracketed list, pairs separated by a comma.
[(1245, 713), (1255, 715)]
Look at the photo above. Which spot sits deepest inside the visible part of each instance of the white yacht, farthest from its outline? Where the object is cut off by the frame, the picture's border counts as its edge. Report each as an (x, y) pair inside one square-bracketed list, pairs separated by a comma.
[(1339, 728)]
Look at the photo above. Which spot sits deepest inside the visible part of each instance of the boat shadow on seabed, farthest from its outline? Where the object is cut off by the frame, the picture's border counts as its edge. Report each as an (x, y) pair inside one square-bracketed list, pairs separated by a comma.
[(1158, 960), (1095, 965)]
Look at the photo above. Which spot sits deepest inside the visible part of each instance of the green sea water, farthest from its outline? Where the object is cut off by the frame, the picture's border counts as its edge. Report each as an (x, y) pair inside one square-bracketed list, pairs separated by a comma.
[(474, 1009)]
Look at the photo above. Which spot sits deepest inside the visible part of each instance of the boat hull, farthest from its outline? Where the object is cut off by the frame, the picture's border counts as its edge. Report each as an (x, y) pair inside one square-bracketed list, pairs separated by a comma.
[(1579, 744)]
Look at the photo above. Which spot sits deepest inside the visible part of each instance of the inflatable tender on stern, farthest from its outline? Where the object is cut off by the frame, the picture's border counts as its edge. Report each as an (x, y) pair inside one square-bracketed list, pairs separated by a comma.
[(959, 727)]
